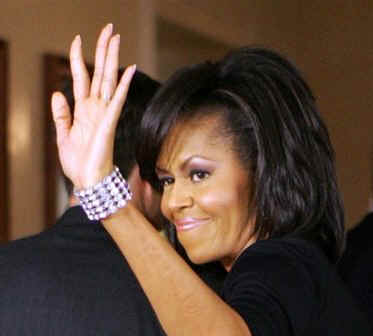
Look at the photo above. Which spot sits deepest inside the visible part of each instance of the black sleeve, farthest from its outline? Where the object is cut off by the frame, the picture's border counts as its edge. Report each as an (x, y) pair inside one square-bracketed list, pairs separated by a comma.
[(273, 294)]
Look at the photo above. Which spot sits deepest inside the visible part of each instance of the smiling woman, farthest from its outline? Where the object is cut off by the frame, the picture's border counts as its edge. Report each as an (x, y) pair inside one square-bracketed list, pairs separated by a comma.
[(246, 170), (248, 178)]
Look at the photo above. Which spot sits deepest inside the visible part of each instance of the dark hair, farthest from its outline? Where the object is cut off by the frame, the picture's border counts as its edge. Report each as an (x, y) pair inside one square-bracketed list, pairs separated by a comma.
[(270, 114), (142, 89)]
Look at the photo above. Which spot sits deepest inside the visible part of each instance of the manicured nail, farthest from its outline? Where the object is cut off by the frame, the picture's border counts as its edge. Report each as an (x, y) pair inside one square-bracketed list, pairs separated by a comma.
[(130, 71), (57, 100), (115, 39), (78, 39), (109, 28)]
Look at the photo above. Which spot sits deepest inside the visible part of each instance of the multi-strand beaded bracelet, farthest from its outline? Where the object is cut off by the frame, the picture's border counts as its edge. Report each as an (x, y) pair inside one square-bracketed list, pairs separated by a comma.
[(106, 197)]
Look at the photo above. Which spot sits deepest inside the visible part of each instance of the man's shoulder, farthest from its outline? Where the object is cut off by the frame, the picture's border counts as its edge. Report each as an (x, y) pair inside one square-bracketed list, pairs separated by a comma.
[(20, 245), (18, 253), (22, 261)]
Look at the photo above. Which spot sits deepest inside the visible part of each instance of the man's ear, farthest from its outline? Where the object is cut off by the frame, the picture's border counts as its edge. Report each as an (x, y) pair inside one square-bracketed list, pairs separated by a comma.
[(142, 187), (145, 198), (136, 184), (152, 200), (148, 189), (134, 177)]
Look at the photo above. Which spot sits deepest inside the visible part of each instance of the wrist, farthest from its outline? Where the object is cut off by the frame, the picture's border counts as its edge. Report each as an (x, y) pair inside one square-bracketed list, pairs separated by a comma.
[(105, 197), (91, 178)]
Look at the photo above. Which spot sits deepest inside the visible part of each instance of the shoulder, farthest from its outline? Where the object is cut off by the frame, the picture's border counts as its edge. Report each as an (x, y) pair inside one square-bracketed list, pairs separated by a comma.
[(275, 258), (21, 263), (20, 246), (288, 287), (29, 256), (269, 278), (284, 265), (22, 253)]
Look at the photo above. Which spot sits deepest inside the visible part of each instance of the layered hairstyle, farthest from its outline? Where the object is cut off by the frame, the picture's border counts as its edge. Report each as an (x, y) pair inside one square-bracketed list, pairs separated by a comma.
[(269, 112)]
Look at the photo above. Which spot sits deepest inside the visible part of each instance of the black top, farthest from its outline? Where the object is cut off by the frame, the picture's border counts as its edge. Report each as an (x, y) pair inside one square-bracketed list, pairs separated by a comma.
[(356, 265), (287, 287), (71, 280)]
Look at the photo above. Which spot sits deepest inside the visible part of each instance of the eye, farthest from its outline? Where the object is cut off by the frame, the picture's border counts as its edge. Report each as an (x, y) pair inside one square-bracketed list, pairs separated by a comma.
[(165, 181), (199, 175)]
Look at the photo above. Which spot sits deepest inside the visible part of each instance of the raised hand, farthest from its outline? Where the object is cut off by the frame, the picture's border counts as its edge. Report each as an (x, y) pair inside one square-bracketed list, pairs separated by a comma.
[(85, 142)]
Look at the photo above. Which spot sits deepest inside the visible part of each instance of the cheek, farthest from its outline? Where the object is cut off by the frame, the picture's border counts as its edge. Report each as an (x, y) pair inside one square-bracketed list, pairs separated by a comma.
[(219, 201), (230, 203)]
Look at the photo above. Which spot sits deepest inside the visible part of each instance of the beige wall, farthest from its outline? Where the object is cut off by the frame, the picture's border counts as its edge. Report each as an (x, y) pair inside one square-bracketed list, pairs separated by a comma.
[(330, 40), (337, 56)]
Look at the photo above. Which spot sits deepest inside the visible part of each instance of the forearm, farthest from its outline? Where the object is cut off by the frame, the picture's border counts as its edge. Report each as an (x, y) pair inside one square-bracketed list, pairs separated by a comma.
[(182, 302)]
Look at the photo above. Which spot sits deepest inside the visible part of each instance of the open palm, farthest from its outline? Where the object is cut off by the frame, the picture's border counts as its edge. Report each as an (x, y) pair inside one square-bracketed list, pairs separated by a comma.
[(85, 142)]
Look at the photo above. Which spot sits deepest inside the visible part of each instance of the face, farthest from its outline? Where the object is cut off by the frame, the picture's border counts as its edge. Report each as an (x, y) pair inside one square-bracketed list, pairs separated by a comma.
[(206, 192)]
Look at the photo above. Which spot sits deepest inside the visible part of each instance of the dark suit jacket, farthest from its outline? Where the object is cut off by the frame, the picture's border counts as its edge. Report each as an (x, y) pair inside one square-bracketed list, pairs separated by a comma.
[(71, 280)]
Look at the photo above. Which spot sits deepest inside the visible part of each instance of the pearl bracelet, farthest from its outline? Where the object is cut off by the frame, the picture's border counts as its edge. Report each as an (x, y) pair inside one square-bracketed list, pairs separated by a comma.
[(106, 197)]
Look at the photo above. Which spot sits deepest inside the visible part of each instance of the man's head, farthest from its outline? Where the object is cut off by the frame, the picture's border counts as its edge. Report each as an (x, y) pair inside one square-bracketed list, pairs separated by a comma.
[(141, 91)]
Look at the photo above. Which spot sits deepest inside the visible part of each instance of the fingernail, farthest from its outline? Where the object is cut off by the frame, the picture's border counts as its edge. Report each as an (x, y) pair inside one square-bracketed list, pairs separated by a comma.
[(57, 100), (130, 70), (78, 39), (109, 27)]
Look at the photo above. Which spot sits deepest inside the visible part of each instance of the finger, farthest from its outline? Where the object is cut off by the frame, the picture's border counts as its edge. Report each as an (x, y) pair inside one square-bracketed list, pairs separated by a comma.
[(101, 50), (110, 77), (61, 116), (117, 102), (78, 70)]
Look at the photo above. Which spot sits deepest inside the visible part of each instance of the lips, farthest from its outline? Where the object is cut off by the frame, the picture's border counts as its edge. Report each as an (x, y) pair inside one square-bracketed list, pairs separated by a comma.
[(187, 224)]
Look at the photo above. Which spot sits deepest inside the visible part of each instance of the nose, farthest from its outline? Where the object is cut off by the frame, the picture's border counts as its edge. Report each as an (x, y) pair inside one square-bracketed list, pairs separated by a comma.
[(175, 198)]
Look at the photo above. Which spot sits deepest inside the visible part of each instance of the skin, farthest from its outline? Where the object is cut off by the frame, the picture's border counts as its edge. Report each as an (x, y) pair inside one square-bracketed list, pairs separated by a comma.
[(146, 199), (206, 192), (182, 302)]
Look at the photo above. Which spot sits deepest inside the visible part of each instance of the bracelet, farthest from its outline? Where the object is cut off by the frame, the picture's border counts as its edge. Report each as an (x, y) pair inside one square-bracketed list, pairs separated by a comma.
[(106, 197)]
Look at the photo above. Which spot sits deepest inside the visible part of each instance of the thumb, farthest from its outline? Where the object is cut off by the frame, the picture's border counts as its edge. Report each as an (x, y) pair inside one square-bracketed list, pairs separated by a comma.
[(61, 116)]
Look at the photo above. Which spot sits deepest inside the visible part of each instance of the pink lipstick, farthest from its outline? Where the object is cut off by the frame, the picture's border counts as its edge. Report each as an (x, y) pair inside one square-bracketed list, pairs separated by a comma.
[(188, 223)]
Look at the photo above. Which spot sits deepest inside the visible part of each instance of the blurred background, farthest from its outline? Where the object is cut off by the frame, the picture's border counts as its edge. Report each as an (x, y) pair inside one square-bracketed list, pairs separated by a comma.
[(330, 41)]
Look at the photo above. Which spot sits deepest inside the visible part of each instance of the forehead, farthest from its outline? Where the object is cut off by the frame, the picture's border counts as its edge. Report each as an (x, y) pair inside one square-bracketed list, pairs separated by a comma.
[(200, 136)]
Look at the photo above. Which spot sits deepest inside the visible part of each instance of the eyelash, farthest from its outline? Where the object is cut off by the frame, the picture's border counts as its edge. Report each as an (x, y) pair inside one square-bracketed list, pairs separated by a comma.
[(195, 176), (201, 175)]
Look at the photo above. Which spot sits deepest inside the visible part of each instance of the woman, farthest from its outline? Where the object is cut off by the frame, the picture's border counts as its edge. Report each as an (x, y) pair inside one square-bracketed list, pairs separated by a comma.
[(247, 174)]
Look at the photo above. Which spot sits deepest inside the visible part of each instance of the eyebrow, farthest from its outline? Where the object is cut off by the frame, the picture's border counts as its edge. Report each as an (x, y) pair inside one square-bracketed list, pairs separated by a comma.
[(185, 163)]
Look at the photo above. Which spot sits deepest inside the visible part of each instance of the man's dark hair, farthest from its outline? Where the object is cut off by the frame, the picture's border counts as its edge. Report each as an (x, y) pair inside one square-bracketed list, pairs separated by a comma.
[(141, 91)]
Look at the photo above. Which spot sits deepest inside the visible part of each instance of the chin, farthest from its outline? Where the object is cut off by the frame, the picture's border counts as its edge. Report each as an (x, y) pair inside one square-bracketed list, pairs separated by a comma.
[(198, 257)]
